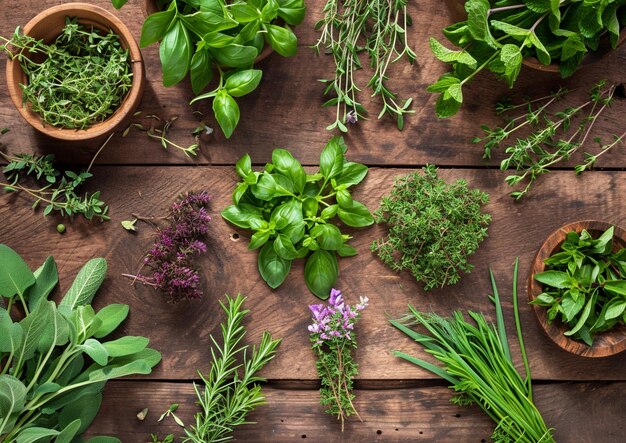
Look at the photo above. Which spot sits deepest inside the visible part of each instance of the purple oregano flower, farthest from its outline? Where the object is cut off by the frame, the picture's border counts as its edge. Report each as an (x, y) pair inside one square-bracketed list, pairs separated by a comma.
[(170, 258), (332, 340)]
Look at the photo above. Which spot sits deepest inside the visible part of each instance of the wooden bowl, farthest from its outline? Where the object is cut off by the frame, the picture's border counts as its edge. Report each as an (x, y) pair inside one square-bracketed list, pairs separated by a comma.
[(604, 344), (47, 26), (458, 14), (150, 7)]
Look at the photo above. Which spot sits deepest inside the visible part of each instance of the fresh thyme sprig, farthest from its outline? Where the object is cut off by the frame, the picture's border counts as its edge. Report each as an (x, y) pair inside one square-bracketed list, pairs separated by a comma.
[(160, 134), (551, 139), (350, 27), (59, 191), (82, 80)]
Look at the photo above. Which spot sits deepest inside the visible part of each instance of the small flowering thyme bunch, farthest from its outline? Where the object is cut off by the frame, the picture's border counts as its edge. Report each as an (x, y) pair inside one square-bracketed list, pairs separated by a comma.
[(332, 339), (170, 258)]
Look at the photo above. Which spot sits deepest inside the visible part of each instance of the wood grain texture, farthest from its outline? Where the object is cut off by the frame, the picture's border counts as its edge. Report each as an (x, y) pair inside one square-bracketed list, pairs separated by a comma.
[(285, 111), (605, 344), (182, 331), (579, 412)]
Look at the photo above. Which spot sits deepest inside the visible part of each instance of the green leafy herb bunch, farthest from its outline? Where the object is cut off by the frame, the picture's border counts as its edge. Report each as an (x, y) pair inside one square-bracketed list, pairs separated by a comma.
[(585, 285), (499, 35), (83, 77), (350, 29), (232, 387), (433, 227), (201, 38), (54, 359), (291, 214), (475, 357), (333, 338)]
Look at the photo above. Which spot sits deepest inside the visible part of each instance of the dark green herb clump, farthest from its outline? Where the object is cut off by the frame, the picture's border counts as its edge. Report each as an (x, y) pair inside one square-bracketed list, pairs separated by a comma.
[(291, 214), (56, 359), (498, 35), (586, 285), (476, 360), (82, 80), (433, 227)]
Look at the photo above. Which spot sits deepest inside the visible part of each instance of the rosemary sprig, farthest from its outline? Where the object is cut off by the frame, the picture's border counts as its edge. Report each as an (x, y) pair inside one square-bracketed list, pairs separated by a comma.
[(551, 139), (377, 27), (231, 389), (82, 80), (59, 191)]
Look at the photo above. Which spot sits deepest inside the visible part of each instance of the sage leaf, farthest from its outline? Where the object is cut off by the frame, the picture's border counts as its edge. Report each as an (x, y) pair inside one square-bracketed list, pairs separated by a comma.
[(127, 345), (86, 284), (95, 350), (111, 317), (32, 435), (15, 275), (12, 395), (46, 278)]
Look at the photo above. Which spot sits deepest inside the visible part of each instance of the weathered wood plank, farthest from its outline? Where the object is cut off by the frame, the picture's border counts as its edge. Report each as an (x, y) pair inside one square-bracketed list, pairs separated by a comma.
[(286, 109), (182, 331), (579, 412)]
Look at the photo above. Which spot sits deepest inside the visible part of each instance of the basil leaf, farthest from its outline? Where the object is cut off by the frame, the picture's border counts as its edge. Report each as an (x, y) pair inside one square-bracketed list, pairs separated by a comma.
[(258, 239), (291, 11), (244, 13), (175, 54), (269, 11), (201, 70), (282, 40), (321, 272), (344, 198), (243, 82), (556, 279), (288, 166), (205, 22), (284, 247), (272, 267), (242, 214), (226, 112), (357, 215), (616, 286), (265, 188), (155, 27), (244, 166), (352, 174), (332, 157), (235, 55), (346, 251), (327, 236)]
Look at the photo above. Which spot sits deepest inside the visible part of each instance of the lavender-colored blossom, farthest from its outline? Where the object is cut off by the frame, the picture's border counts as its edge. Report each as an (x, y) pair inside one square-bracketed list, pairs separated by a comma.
[(335, 321)]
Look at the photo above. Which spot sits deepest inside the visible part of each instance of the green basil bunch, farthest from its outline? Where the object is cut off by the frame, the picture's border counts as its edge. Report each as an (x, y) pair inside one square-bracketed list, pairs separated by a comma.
[(199, 37), (290, 213), (54, 361), (499, 34)]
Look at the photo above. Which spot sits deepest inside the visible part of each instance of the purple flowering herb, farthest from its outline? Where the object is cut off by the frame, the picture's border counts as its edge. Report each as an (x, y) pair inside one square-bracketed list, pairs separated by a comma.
[(332, 339), (171, 256)]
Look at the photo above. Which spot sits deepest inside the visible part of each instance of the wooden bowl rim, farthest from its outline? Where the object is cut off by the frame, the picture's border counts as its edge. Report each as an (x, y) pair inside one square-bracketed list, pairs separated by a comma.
[(555, 329), (132, 98)]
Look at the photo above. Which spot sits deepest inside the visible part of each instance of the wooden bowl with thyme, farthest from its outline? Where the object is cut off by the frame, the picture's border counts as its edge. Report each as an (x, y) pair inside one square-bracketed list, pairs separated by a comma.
[(599, 293), (115, 86)]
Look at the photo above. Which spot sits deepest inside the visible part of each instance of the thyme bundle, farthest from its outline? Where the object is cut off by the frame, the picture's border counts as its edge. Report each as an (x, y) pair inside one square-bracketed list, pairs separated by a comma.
[(82, 80)]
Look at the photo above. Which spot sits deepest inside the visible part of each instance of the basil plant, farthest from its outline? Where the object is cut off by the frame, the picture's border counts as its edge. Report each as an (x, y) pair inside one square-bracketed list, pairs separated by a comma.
[(224, 37), (292, 213)]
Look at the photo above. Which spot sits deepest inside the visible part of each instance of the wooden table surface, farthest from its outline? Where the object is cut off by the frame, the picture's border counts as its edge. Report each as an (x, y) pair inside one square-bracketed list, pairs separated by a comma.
[(583, 399)]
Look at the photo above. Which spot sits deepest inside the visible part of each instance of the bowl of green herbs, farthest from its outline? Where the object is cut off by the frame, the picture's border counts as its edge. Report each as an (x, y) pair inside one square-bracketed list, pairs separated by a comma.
[(577, 286), (74, 72)]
